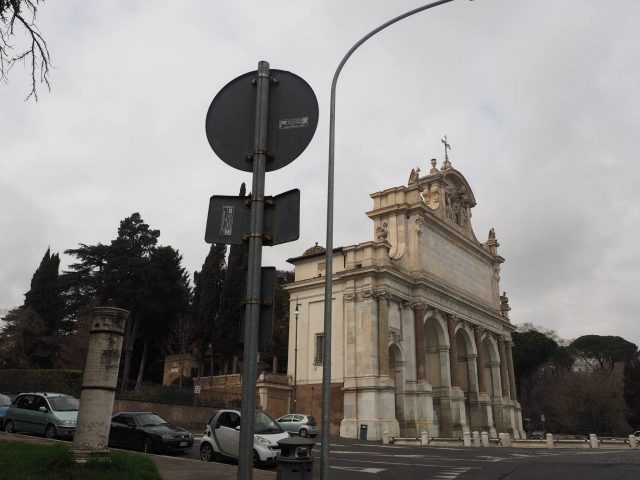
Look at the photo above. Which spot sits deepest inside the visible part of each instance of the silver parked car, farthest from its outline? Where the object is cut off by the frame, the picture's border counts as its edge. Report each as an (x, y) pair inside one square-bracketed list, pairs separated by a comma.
[(51, 414), (299, 423)]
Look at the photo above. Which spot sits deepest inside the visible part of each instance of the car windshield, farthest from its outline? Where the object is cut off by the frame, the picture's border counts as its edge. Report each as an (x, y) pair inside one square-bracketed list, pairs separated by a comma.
[(149, 420), (266, 424), (4, 400), (64, 403)]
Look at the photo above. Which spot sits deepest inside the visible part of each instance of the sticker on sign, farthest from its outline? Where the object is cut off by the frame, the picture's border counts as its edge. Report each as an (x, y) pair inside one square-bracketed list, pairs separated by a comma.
[(287, 123), (226, 223)]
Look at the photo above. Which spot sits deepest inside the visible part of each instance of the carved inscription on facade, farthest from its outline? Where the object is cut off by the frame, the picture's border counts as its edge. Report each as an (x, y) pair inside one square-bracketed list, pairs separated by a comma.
[(451, 304), (456, 266)]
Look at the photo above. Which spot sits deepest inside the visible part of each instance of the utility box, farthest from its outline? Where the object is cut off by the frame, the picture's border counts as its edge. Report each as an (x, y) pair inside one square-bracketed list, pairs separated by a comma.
[(295, 461), (363, 431)]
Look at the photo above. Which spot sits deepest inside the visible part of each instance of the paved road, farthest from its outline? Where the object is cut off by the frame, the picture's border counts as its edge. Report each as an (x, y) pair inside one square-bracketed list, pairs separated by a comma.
[(351, 460), (358, 460)]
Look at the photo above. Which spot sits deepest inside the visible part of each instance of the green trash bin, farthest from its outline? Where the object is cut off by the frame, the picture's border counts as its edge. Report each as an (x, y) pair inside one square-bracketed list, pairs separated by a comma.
[(295, 461)]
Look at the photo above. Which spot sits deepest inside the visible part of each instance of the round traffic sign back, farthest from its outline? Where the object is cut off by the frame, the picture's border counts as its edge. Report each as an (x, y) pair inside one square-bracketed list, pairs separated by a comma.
[(292, 120)]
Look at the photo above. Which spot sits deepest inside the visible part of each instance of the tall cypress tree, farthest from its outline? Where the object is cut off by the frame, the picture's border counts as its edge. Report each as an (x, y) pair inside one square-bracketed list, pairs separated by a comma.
[(44, 297), (209, 283), (232, 297)]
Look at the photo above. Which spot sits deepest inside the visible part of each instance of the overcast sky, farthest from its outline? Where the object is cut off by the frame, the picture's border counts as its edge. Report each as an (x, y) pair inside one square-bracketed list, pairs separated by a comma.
[(540, 100)]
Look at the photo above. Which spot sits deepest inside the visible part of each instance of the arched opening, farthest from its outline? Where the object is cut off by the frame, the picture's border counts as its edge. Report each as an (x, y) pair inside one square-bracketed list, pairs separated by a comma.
[(491, 367), (437, 361)]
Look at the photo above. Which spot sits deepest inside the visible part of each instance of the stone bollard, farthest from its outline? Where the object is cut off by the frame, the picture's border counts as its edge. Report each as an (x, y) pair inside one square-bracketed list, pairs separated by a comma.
[(99, 384), (424, 438), (385, 438), (484, 439), (476, 439), (633, 441), (466, 439), (549, 440), (593, 440), (505, 439)]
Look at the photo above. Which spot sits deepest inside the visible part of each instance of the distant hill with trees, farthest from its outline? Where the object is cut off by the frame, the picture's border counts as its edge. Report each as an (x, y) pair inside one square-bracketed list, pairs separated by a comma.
[(588, 385)]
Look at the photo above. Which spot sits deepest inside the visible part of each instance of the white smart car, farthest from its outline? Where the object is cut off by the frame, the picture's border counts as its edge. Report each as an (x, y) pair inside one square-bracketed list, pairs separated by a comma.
[(222, 437)]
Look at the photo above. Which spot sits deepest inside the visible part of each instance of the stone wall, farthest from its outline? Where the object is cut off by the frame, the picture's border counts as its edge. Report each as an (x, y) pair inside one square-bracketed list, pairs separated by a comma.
[(273, 395), (309, 400)]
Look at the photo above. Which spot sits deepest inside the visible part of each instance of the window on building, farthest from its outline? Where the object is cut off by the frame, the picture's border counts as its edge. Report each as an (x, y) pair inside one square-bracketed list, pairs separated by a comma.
[(317, 359)]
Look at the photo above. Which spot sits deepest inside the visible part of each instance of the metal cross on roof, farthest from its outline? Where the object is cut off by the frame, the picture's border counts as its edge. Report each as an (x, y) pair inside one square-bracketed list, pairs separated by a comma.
[(447, 147)]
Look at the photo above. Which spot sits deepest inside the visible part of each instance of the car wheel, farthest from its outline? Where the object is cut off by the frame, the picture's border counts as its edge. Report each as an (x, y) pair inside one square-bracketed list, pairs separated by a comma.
[(256, 459), (206, 452), (147, 445), (50, 432), (303, 432), (8, 426)]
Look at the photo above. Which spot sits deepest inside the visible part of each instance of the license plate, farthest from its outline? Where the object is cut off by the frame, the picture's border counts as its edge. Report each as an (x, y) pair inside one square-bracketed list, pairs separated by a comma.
[(183, 444)]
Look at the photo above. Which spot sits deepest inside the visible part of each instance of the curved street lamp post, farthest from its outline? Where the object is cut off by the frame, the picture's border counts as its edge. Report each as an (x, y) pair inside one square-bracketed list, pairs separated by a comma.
[(326, 354)]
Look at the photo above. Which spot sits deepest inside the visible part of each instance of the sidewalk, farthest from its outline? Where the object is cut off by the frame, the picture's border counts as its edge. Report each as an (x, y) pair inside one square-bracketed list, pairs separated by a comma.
[(177, 468), (171, 468)]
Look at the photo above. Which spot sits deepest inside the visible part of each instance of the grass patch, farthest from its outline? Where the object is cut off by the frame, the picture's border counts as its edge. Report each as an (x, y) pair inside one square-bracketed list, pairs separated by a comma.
[(25, 461)]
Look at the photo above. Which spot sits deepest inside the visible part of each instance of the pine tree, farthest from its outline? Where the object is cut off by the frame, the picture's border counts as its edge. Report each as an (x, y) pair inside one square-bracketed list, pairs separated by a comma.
[(83, 283), (125, 276), (232, 298), (166, 295), (209, 283)]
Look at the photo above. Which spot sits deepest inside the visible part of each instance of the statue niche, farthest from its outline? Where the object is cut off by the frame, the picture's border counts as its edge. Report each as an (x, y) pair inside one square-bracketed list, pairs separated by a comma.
[(457, 205)]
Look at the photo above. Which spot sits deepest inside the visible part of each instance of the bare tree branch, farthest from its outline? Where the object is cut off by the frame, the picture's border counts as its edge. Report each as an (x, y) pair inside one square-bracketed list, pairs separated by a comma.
[(37, 53)]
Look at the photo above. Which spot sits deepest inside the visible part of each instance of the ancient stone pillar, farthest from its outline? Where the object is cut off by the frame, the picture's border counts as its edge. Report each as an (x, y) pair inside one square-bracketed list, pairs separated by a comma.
[(503, 368), (453, 352), (512, 376), (99, 383), (383, 333), (482, 383), (421, 368)]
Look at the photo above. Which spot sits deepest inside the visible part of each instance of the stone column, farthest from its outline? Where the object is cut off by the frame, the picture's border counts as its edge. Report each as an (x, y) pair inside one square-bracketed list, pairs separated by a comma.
[(485, 390), (482, 383), (453, 352), (512, 376), (383, 333), (503, 368), (99, 383), (421, 368)]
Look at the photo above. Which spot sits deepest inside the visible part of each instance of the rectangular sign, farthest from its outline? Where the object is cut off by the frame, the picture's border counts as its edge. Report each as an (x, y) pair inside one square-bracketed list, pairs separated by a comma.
[(197, 389), (267, 294), (229, 218)]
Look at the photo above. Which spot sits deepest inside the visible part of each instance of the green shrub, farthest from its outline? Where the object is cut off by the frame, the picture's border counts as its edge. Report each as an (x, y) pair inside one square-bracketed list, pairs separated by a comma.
[(61, 381), (54, 462)]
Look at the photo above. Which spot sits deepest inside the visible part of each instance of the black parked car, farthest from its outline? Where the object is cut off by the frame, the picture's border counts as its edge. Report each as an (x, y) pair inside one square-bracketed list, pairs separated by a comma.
[(148, 432)]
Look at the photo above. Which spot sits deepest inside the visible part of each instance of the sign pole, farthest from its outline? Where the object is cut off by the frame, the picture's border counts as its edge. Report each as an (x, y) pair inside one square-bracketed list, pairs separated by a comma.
[(252, 301)]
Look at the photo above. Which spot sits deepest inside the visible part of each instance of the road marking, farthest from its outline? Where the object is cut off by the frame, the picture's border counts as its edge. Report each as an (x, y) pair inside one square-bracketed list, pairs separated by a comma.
[(462, 469), (491, 459), (448, 475), (360, 469)]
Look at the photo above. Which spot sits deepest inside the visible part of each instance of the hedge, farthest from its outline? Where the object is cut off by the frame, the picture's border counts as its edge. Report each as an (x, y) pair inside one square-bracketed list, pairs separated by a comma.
[(60, 381)]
